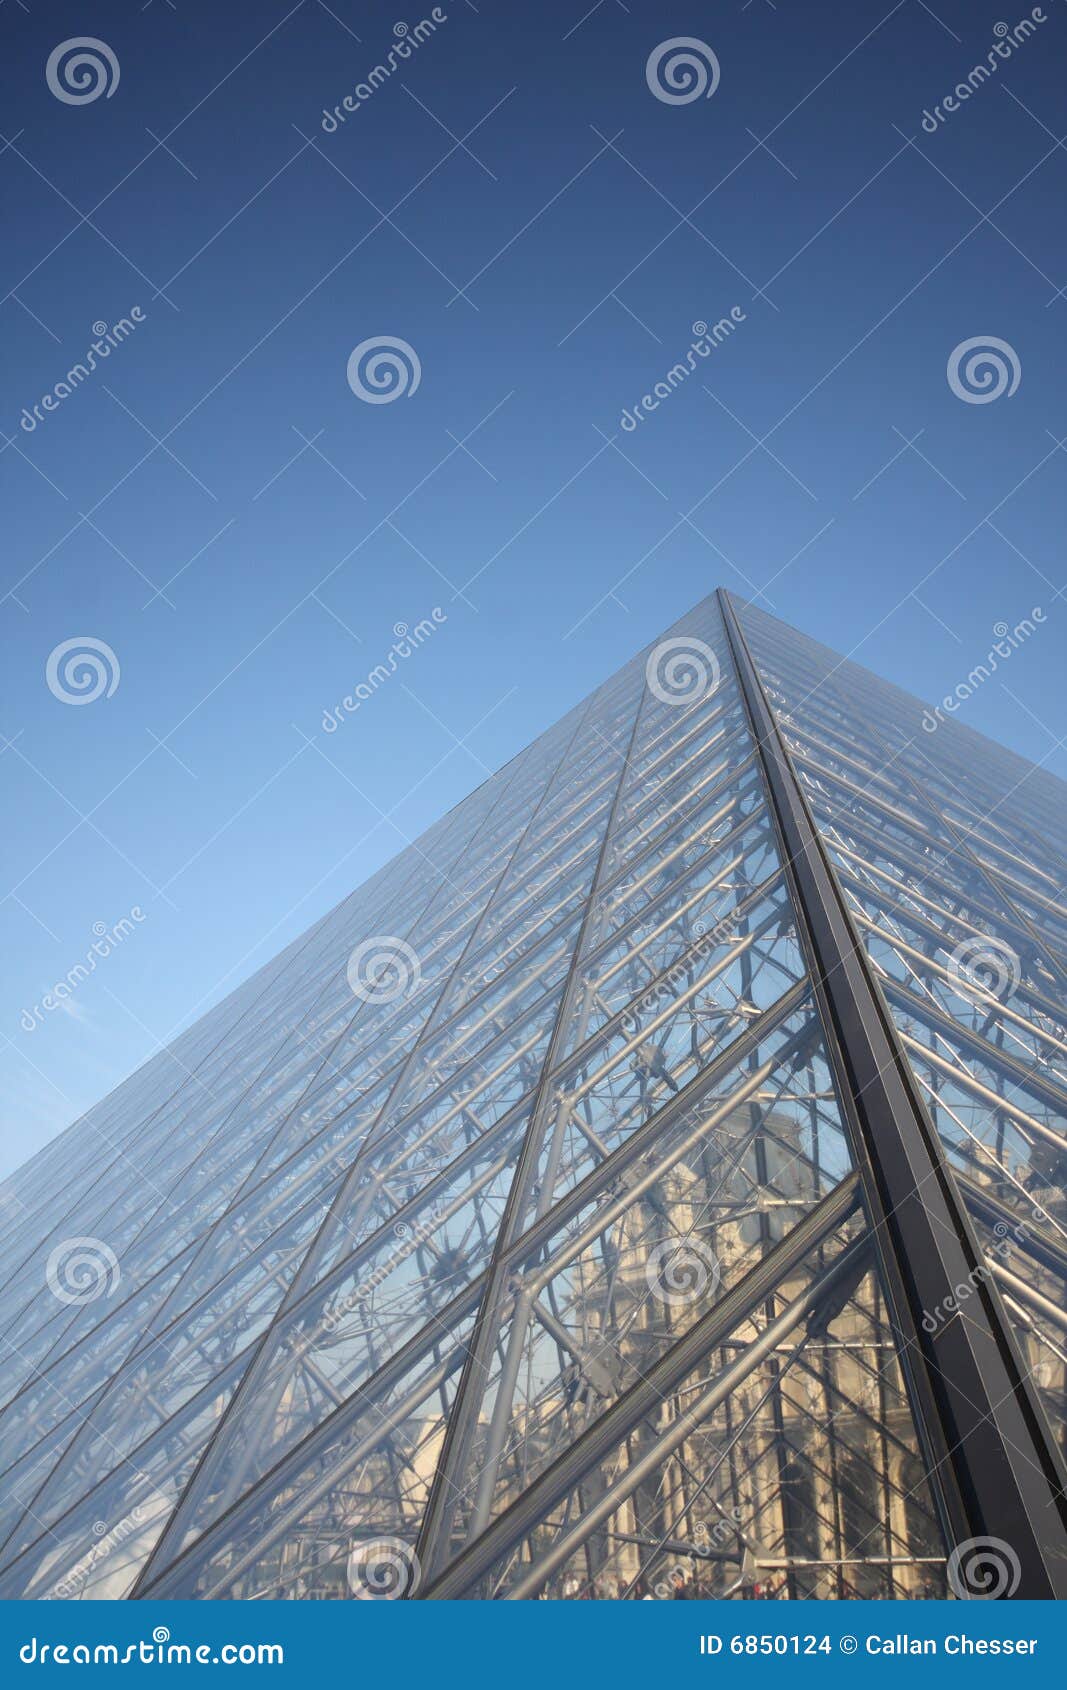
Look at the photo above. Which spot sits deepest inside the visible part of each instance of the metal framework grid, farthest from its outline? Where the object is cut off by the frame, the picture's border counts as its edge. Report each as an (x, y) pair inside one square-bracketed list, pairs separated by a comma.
[(652, 1179)]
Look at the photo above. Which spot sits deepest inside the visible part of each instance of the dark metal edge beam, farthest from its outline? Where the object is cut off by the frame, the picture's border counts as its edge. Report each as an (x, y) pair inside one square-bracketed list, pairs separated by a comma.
[(986, 1441)]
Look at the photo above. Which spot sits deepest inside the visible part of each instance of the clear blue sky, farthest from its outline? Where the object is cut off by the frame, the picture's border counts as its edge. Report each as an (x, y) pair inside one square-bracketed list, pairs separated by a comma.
[(217, 506)]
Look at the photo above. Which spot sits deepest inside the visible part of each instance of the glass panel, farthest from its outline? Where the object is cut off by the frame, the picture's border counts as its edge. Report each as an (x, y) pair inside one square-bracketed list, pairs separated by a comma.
[(785, 1465), (701, 1196)]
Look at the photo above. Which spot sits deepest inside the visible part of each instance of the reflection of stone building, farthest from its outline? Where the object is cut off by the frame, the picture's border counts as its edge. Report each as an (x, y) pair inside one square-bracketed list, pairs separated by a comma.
[(685, 1197), (806, 1481)]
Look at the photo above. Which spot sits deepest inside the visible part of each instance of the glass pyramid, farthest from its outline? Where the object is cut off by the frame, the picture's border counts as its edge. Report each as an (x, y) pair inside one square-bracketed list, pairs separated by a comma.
[(651, 1182)]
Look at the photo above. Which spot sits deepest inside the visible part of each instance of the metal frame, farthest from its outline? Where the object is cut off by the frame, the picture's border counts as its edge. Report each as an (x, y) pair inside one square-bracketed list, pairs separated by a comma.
[(392, 1280)]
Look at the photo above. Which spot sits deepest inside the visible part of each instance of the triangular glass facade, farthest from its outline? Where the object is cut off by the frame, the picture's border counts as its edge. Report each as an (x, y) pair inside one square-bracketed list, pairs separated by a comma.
[(653, 1179)]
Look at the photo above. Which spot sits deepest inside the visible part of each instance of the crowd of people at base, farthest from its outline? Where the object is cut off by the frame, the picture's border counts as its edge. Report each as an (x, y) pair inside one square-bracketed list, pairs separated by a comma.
[(677, 1586)]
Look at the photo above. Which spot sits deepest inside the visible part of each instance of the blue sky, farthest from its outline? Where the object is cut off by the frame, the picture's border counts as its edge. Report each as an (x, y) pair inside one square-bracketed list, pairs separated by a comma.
[(244, 533)]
